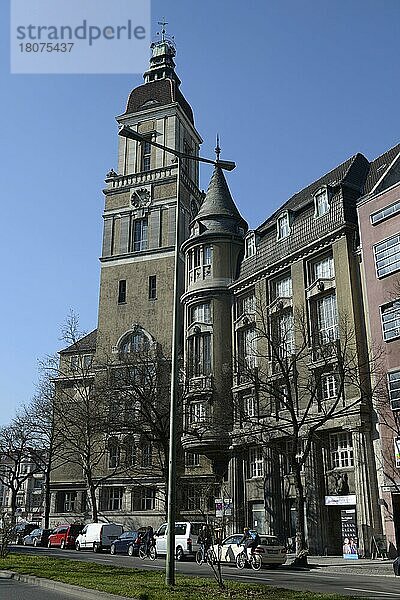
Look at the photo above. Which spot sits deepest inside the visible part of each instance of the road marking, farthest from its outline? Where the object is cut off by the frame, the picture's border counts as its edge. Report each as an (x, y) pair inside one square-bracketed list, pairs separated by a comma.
[(372, 591)]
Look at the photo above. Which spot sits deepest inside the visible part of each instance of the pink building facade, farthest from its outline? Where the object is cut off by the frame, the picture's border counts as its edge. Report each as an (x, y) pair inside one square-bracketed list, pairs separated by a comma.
[(379, 221)]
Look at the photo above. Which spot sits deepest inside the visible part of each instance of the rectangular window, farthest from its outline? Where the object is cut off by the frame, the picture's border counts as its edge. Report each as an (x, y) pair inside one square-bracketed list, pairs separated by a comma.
[(146, 455), (385, 213), (201, 313), (282, 288), (248, 348), (341, 450), (286, 334), (192, 497), (87, 361), (197, 413), (327, 319), (199, 263), (146, 155), (387, 256), (394, 389), (280, 398), (329, 386), (192, 459), (122, 291), (390, 316), (148, 498), (256, 463), (246, 305), (74, 363), (139, 235), (152, 287), (249, 405), (70, 502), (199, 355), (283, 226), (113, 456), (114, 498), (323, 269)]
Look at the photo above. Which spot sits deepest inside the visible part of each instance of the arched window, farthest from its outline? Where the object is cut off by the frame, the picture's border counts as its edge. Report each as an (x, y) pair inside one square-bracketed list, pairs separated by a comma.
[(113, 454), (135, 341)]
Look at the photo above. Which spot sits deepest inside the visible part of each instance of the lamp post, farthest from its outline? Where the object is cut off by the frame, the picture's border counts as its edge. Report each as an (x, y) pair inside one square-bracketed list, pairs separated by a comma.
[(129, 133)]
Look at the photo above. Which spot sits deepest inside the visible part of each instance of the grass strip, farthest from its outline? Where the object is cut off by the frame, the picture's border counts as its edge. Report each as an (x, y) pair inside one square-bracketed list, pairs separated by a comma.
[(146, 585)]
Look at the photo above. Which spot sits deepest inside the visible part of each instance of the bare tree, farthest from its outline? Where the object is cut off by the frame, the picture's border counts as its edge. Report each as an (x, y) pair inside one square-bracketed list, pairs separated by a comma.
[(304, 379), (105, 408), (18, 459)]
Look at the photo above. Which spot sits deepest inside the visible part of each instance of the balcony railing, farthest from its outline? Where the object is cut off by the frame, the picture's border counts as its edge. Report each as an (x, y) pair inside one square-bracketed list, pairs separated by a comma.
[(200, 384)]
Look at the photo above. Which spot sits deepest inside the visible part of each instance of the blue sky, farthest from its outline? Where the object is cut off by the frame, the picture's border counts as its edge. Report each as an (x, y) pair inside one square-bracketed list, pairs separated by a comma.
[(293, 88)]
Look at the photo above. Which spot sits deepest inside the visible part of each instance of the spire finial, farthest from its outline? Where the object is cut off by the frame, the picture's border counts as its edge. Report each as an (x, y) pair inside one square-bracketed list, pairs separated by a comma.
[(217, 149), (163, 23)]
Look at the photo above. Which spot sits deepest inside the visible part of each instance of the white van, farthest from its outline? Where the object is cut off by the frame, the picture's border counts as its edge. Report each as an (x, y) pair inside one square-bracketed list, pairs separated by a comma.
[(98, 536), (186, 535)]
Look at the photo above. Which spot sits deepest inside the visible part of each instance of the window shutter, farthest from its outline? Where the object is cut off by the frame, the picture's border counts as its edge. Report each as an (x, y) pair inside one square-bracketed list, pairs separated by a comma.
[(107, 237), (154, 228), (124, 234)]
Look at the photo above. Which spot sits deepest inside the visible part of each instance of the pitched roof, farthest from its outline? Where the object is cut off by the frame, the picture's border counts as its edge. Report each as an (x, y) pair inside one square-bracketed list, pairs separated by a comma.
[(378, 168), (86, 344), (218, 201), (352, 171), (158, 92)]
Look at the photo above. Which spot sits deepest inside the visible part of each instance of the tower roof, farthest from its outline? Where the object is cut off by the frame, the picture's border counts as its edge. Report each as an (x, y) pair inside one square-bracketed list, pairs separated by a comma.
[(218, 205)]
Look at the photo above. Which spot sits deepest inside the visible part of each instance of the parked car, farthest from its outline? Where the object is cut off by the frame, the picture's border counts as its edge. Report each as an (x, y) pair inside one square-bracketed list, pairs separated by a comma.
[(37, 537), (128, 543), (64, 536), (186, 534), (98, 536), (272, 552), (21, 530)]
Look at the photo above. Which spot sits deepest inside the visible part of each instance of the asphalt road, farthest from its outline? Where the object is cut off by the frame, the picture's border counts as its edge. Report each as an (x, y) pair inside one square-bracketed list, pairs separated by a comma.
[(358, 585)]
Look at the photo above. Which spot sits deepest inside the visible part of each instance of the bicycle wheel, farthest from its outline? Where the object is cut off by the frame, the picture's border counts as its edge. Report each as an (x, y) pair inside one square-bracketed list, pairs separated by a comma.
[(152, 553), (241, 560), (199, 557), (256, 562), (142, 552)]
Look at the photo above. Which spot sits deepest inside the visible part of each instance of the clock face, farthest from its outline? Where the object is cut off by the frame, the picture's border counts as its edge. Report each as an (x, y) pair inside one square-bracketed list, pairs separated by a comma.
[(140, 198)]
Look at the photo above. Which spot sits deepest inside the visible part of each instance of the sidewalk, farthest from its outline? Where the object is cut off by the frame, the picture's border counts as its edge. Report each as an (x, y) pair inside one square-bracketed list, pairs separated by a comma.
[(70, 591), (338, 564)]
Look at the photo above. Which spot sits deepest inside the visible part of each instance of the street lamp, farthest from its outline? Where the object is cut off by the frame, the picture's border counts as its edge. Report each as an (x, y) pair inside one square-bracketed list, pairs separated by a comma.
[(127, 132)]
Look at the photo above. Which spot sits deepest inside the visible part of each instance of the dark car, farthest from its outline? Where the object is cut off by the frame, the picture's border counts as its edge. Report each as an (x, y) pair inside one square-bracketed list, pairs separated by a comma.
[(64, 536), (37, 537), (127, 543), (21, 530)]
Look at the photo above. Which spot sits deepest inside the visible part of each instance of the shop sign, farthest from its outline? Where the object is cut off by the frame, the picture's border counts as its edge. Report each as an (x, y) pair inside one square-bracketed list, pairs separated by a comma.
[(348, 500), (223, 507), (349, 534)]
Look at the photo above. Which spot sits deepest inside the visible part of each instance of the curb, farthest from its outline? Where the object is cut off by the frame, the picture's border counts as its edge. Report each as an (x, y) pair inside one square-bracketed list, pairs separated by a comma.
[(66, 588)]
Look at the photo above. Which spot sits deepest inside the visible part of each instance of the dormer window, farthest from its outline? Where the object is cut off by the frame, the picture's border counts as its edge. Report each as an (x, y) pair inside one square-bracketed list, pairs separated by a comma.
[(283, 226), (321, 201), (250, 245)]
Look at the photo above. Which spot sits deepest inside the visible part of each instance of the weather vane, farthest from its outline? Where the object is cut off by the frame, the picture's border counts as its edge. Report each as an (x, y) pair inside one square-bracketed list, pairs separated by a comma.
[(163, 23), (217, 149)]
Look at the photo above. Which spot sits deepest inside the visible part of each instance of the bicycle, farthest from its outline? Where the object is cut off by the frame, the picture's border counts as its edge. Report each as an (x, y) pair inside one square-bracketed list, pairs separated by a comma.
[(253, 559), (203, 556), (147, 552)]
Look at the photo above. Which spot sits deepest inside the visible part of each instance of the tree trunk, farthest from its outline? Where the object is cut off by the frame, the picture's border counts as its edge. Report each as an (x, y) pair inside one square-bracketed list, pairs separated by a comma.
[(301, 543), (92, 495), (13, 506), (47, 497)]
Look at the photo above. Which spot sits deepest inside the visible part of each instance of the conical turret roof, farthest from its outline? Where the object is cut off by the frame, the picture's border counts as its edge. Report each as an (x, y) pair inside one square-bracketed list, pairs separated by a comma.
[(218, 201)]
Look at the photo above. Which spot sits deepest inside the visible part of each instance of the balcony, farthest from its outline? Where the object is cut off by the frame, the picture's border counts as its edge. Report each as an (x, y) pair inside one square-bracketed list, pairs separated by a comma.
[(202, 384)]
